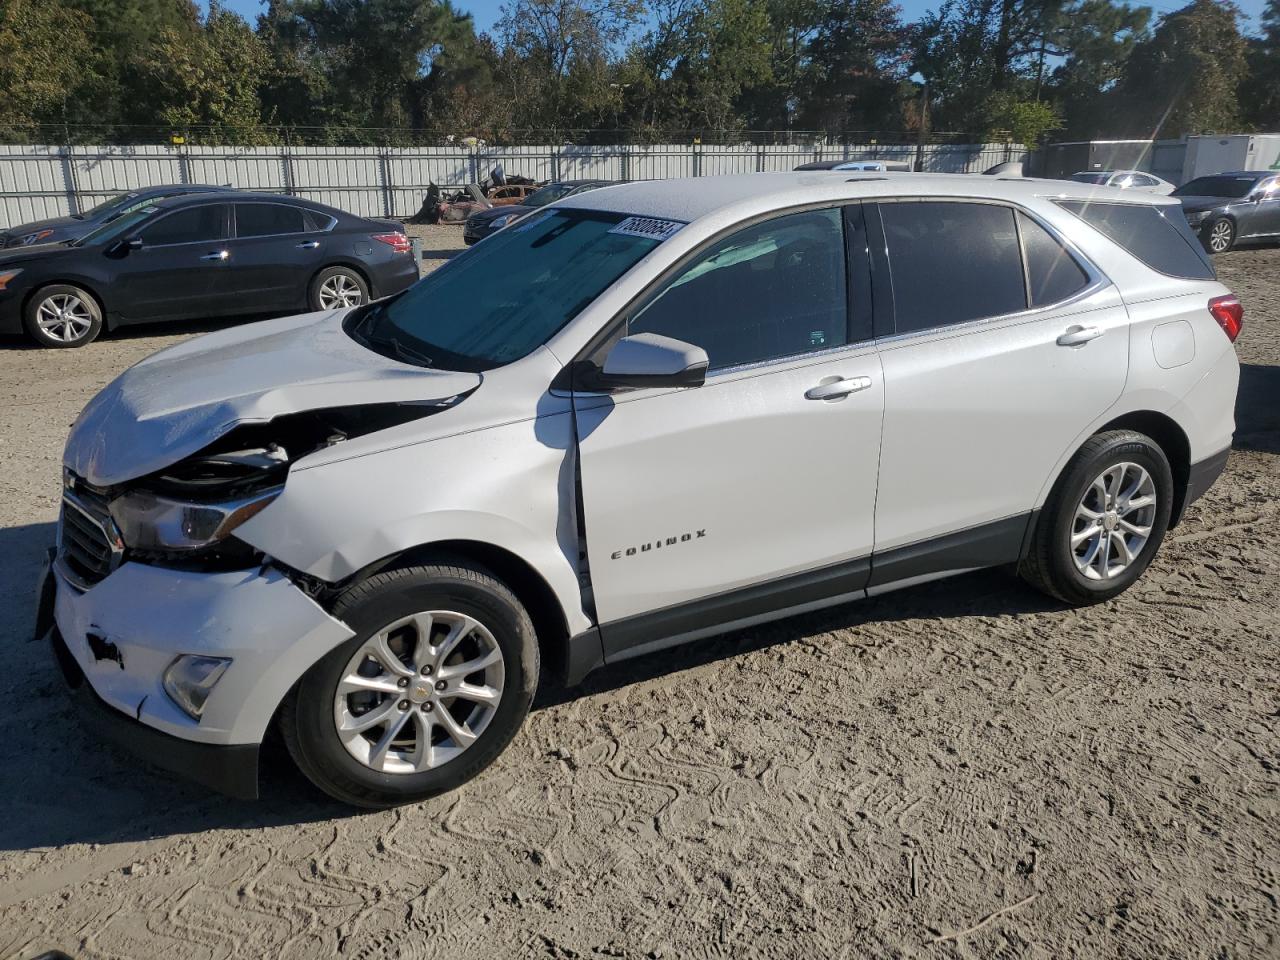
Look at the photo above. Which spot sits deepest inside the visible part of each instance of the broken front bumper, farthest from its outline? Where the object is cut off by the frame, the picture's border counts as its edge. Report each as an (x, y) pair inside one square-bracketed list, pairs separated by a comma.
[(115, 640)]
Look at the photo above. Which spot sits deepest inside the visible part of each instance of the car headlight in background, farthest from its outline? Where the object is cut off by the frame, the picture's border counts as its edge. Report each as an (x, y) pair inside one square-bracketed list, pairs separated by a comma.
[(1198, 216), (497, 223), (149, 521), (38, 237), (5, 277), (190, 679)]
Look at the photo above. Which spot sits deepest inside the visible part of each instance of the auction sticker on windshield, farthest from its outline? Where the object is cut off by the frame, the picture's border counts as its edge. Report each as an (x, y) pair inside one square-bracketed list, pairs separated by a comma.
[(648, 227)]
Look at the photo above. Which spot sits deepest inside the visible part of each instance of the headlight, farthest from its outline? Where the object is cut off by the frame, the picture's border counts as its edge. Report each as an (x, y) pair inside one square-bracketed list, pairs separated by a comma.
[(38, 237), (190, 679), (497, 223), (1197, 216), (148, 521), (5, 277)]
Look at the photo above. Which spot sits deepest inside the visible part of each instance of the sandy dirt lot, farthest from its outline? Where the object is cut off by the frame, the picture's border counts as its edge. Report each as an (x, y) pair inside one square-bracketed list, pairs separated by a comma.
[(959, 770)]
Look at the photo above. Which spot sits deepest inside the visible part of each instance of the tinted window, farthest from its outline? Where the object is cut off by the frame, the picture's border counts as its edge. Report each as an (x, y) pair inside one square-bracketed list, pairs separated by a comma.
[(501, 299), (187, 226), (1158, 236), (772, 290), (1052, 273), (267, 219), (1140, 180), (952, 262), (1228, 187), (1090, 177)]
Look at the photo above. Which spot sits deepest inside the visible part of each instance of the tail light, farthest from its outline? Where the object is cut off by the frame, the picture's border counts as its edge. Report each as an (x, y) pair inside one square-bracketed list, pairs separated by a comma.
[(1229, 314), (397, 241)]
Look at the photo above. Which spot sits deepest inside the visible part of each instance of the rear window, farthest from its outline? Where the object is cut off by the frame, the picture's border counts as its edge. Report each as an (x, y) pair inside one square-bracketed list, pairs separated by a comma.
[(1158, 236), (267, 219), (1229, 188), (952, 262)]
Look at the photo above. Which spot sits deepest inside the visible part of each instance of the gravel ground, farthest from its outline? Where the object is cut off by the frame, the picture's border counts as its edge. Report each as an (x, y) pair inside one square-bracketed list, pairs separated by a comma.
[(962, 769)]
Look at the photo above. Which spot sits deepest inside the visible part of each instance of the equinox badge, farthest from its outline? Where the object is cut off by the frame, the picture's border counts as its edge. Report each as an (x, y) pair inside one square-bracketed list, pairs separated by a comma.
[(658, 544)]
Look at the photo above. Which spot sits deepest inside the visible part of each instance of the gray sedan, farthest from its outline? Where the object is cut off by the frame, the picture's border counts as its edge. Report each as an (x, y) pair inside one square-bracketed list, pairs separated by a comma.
[(1228, 207)]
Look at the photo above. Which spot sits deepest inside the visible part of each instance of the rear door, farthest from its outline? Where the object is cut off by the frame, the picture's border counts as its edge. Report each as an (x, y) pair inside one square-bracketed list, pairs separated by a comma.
[(752, 493), (1000, 345), (1267, 215), (276, 250), (179, 269)]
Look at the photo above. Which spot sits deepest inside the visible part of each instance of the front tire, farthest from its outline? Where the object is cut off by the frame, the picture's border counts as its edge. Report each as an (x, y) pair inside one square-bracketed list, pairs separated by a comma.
[(1220, 235), (335, 288), (62, 316), (431, 689), (1104, 520)]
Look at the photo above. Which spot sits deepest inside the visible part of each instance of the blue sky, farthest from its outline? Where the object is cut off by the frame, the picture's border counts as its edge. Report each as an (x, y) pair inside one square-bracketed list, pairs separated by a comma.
[(486, 12)]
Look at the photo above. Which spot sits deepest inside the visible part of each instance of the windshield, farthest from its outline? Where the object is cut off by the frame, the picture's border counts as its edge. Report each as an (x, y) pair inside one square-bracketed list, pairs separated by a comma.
[(109, 231), (1216, 187), (548, 194), (107, 206), (502, 299), (1090, 177)]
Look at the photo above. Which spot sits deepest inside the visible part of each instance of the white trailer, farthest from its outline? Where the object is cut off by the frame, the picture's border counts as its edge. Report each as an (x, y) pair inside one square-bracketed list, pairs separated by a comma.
[(1242, 151)]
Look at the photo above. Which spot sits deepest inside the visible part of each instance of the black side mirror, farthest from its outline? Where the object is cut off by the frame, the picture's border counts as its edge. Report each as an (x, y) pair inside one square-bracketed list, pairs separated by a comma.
[(652, 360)]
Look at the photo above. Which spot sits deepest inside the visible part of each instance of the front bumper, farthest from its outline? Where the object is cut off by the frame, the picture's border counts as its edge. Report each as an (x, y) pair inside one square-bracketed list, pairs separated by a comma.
[(121, 634)]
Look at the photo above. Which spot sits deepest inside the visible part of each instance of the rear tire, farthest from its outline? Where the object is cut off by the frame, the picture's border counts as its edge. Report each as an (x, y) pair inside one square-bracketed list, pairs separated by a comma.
[(1104, 520), (62, 316), (1220, 235), (390, 716), (336, 288)]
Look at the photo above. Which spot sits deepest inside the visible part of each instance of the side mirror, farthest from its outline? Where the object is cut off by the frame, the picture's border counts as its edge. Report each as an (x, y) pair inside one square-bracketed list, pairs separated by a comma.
[(652, 360)]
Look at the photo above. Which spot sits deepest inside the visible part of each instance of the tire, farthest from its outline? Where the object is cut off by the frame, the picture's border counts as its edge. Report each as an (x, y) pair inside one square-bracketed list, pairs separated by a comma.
[(348, 766), (1057, 567), (1220, 235), (335, 288), (62, 316)]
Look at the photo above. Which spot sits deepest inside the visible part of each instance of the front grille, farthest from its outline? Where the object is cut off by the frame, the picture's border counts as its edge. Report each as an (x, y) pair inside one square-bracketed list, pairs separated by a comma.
[(90, 546)]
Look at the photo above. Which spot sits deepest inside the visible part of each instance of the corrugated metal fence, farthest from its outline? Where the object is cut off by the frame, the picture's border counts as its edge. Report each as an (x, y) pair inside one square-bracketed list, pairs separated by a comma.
[(49, 181)]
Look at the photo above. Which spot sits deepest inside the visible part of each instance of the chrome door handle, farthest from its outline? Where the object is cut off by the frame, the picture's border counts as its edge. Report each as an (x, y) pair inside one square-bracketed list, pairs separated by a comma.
[(1078, 336), (308, 244), (838, 387), (216, 255)]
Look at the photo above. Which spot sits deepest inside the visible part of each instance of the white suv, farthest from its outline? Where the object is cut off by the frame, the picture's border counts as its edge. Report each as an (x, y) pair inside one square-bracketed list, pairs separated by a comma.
[(644, 415)]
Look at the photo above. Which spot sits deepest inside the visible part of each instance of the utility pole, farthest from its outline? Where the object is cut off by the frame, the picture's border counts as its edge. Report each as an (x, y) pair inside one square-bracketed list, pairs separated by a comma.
[(924, 125)]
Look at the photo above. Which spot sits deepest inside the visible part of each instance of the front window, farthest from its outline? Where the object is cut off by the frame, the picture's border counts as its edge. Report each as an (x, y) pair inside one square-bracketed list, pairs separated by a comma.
[(1095, 178), (1231, 188), (502, 299), (116, 228), (548, 194)]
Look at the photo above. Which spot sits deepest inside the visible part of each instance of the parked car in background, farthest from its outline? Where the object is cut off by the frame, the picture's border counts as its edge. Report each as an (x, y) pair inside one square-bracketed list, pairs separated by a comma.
[(1226, 208), (201, 255), (484, 222), (60, 229), (1126, 180), (875, 166), (643, 416)]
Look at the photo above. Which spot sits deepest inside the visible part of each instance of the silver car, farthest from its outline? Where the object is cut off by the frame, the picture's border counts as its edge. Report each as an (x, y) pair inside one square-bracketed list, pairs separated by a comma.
[(641, 416)]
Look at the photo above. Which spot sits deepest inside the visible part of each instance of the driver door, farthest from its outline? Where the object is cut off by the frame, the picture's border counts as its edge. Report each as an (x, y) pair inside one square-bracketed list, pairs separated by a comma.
[(754, 493)]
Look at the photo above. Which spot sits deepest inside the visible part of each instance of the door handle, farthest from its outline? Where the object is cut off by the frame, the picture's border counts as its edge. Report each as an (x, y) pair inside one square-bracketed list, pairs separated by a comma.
[(1078, 336), (216, 255), (308, 244), (837, 387)]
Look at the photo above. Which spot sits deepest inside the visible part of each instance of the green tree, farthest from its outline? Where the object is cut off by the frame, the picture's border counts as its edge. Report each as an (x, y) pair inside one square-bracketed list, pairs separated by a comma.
[(1022, 121), (1261, 90), (856, 62), (210, 79), (42, 44), (1095, 38), (1186, 78)]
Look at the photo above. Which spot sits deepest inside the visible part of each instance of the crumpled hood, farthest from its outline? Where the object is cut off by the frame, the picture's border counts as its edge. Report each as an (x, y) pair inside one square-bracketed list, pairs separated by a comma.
[(181, 399)]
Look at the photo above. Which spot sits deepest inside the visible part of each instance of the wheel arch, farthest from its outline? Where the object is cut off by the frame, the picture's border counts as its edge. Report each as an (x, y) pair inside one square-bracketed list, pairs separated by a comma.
[(350, 264), (1171, 438), (85, 285), (531, 588)]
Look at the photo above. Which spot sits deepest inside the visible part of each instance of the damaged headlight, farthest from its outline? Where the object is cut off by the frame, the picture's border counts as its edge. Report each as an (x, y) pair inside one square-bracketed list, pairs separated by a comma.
[(151, 521), (190, 679)]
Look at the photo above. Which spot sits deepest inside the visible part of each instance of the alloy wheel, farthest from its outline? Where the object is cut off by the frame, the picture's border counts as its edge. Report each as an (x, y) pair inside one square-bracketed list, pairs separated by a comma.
[(419, 692), (340, 290), (1113, 521), (1220, 236), (64, 316)]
